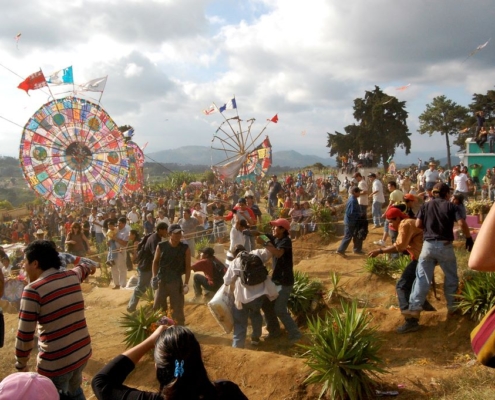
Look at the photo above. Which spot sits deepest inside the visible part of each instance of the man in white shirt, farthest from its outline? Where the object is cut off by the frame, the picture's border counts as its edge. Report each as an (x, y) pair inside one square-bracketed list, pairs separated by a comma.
[(133, 216), (363, 197), (162, 218), (461, 184), (119, 269), (378, 200), (431, 176)]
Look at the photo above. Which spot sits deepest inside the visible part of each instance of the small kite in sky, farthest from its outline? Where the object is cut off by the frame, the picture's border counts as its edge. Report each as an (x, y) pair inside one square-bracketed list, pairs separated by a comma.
[(17, 37), (480, 47), (403, 87), (303, 133)]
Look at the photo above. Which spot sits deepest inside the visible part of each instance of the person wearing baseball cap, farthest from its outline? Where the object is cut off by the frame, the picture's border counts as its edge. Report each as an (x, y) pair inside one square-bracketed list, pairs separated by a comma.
[(410, 200), (378, 200), (280, 247), (410, 240), (27, 385), (172, 260), (352, 219), (436, 218)]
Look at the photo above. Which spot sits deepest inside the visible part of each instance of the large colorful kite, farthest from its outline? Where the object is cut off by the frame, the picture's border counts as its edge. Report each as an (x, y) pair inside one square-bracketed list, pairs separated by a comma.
[(243, 158), (71, 151), (135, 177)]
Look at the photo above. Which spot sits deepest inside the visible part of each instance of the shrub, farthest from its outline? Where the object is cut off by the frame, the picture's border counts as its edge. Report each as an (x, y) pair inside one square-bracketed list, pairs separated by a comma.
[(324, 221), (344, 354), (476, 294), (306, 295), (201, 243)]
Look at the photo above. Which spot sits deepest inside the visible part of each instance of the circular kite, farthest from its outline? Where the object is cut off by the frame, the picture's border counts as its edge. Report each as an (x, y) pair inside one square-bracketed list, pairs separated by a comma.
[(72, 151), (135, 177)]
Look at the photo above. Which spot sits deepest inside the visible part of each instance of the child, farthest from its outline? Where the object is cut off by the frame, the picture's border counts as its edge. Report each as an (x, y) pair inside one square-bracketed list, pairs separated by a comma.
[(112, 245)]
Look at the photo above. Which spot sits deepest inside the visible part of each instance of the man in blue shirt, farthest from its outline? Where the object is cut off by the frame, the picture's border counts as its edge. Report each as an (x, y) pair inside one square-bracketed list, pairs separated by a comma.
[(351, 220)]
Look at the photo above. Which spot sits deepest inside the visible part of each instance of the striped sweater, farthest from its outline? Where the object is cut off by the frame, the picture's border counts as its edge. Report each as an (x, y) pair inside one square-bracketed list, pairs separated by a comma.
[(54, 303)]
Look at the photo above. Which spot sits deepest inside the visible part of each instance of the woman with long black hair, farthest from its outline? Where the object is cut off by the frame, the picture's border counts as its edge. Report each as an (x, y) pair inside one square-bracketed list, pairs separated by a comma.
[(179, 370)]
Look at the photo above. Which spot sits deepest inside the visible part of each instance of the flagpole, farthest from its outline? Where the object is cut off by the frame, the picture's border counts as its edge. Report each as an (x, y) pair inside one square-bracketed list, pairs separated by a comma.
[(243, 148), (259, 134), (232, 129), (101, 94)]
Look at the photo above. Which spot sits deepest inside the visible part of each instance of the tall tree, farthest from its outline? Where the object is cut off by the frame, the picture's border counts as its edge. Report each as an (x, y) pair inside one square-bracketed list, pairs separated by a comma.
[(481, 102), (445, 117), (381, 128)]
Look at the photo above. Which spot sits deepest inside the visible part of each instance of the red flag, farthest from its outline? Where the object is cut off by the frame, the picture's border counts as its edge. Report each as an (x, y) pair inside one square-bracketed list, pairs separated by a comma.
[(33, 81), (274, 119)]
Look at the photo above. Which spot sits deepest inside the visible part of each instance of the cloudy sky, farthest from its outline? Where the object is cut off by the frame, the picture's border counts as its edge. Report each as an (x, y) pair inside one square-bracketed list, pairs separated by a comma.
[(168, 60)]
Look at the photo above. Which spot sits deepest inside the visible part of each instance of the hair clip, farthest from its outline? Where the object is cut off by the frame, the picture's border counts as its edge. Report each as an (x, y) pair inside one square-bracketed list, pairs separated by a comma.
[(179, 368)]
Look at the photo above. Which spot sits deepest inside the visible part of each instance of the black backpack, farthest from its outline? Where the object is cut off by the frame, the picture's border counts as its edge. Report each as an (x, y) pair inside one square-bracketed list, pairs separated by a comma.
[(219, 271), (140, 248), (253, 271)]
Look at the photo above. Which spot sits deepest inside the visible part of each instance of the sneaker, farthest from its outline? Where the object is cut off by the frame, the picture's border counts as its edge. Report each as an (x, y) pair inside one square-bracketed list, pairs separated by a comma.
[(359, 252), (116, 287), (255, 341), (340, 253), (411, 325), (379, 242), (375, 226), (130, 310)]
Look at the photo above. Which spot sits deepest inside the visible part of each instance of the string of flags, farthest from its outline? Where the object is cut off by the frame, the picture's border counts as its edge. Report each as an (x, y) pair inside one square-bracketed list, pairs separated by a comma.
[(231, 105), (64, 76)]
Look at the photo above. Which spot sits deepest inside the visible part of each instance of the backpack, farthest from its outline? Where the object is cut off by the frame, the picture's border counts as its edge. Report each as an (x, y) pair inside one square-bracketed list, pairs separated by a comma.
[(140, 248), (219, 271), (253, 272)]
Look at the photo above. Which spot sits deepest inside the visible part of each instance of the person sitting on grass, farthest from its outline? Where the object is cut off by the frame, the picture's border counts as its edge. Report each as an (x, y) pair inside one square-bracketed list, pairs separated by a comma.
[(179, 370)]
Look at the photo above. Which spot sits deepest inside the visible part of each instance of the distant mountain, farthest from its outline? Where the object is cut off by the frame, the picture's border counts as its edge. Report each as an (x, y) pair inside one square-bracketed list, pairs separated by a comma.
[(202, 155)]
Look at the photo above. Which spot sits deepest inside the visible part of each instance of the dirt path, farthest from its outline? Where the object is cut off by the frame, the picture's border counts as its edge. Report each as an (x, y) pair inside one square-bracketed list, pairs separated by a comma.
[(419, 363)]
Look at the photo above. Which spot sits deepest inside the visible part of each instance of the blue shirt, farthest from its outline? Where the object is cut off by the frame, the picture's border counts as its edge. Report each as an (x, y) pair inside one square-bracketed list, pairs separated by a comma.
[(352, 211)]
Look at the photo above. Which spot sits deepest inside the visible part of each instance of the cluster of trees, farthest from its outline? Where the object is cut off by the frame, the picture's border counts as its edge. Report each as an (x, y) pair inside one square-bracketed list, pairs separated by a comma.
[(381, 124)]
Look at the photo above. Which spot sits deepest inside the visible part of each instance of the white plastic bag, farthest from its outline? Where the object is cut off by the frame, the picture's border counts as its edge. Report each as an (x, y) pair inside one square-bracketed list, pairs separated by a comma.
[(221, 306)]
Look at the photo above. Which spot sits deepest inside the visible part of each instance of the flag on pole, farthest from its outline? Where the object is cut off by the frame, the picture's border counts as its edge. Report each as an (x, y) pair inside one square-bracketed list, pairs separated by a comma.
[(33, 81), (94, 85), (210, 110), (61, 77), (229, 106), (274, 119)]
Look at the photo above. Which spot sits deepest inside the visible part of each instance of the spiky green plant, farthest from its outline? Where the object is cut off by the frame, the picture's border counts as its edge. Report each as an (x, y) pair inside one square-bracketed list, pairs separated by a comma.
[(337, 289), (400, 263), (201, 243), (305, 296), (343, 353), (379, 266), (476, 294), (139, 325), (324, 220)]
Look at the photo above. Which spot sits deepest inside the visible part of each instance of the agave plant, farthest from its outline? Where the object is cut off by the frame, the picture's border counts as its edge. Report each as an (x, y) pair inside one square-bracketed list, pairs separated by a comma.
[(383, 266), (477, 294), (305, 296), (139, 325), (343, 354)]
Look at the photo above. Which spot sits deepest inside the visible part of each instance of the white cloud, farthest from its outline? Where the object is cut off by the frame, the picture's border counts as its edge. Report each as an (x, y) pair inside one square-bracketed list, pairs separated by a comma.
[(306, 61)]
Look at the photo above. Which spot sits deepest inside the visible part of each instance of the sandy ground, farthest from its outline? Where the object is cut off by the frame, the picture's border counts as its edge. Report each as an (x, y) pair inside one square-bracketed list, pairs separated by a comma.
[(419, 363)]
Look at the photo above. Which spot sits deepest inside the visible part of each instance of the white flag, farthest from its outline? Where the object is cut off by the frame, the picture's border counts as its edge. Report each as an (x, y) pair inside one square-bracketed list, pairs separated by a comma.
[(94, 85)]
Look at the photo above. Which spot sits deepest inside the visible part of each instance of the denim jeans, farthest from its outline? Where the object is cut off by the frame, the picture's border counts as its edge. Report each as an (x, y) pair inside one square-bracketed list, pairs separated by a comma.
[(249, 310), (69, 384), (376, 210), (99, 237), (199, 282), (144, 282), (435, 252), (277, 309), (348, 235)]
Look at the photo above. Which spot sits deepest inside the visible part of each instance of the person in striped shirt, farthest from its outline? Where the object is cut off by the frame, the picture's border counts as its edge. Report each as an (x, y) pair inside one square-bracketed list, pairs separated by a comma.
[(53, 303)]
